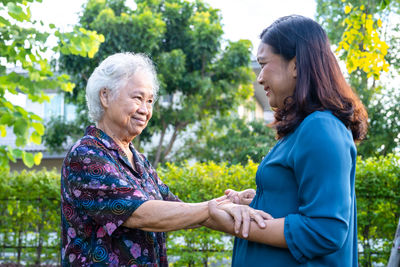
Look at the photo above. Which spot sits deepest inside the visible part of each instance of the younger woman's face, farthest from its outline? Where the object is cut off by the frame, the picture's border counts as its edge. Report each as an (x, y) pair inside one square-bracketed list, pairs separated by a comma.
[(277, 75)]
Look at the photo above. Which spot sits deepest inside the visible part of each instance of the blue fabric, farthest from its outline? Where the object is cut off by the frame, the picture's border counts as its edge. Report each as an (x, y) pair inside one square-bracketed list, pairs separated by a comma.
[(308, 178)]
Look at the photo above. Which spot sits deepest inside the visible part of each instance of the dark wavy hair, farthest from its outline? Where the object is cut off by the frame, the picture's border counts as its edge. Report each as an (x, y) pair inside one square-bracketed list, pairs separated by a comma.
[(320, 84)]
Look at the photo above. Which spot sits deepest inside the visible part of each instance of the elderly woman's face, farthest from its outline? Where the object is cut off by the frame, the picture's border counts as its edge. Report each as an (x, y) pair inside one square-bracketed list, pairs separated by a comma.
[(130, 110)]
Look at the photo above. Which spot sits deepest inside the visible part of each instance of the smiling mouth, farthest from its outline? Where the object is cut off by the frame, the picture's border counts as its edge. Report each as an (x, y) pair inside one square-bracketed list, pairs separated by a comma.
[(139, 120), (267, 91)]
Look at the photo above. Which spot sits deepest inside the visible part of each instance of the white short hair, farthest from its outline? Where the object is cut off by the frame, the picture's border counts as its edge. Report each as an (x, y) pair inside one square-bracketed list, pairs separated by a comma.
[(112, 74)]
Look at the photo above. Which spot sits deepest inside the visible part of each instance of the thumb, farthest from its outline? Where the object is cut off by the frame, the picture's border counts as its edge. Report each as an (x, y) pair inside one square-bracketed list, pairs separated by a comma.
[(227, 191), (219, 199)]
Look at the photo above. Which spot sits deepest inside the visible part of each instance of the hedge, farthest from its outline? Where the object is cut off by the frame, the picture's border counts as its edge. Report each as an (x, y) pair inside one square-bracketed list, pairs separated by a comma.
[(30, 206), (30, 217)]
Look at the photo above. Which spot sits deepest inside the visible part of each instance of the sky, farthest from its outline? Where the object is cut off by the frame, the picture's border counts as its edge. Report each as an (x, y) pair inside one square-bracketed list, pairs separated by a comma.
[(242, 19)]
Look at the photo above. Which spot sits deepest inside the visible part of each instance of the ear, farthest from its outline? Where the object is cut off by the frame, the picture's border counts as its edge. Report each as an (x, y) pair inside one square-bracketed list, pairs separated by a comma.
[(105, 97), (292, 67)]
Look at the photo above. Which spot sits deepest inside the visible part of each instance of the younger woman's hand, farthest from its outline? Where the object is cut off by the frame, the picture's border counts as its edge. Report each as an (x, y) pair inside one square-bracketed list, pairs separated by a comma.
[(242, 197), (241, 214)]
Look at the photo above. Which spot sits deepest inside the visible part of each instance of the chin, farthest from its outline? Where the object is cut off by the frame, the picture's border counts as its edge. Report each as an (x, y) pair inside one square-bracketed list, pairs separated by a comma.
[(138, 131)]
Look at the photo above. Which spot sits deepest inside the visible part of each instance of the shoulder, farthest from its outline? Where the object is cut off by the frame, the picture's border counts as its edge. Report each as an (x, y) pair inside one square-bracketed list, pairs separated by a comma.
[(322, 128), (323, 122), (322, 138), (88, 149)]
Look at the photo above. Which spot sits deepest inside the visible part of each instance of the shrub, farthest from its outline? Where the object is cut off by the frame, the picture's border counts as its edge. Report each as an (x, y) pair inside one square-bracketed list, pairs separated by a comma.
[(378, 207), (197, 183), (30, 217), (30, 211)]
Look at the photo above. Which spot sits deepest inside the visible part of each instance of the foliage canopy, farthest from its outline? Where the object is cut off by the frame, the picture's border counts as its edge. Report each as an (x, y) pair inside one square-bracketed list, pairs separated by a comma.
[(199, 79), (24, 69)]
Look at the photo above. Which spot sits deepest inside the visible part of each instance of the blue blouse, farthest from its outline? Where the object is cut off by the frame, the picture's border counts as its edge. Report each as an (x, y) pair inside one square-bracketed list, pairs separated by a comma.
[(308, 178)]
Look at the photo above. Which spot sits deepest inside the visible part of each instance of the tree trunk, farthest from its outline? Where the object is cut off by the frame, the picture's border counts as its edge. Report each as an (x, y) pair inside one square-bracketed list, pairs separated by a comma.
[(394, 260), (160, 145), (19, 247), (171, 141), (40, 245)]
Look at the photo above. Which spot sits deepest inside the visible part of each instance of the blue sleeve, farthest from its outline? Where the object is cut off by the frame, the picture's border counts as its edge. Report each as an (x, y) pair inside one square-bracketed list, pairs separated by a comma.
[(322, 160)]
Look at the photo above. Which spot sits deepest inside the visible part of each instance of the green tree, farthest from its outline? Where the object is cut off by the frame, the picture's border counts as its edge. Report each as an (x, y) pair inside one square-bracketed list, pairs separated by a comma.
[(198, 78), (229, 139), (367, 41), (22, 47)]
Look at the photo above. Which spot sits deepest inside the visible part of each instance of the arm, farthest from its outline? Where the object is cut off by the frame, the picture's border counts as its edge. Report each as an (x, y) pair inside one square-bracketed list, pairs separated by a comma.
[(271, 235), (323, 160), (164, 216)]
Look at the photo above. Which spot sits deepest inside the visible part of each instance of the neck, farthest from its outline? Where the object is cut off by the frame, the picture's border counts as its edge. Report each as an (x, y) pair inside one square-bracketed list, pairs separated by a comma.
[(115, 133)]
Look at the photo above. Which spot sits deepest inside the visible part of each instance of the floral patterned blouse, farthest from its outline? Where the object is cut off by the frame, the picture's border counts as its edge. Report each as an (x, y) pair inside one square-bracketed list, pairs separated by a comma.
[(99, 192)]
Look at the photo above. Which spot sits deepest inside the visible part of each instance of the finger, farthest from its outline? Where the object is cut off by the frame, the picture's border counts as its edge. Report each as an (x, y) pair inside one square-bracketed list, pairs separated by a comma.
[(238, 221), (222, 198), (246, 201), (232, 194), (227, 191), (236, 199), (246, 223), (259, 220), (265, 215)]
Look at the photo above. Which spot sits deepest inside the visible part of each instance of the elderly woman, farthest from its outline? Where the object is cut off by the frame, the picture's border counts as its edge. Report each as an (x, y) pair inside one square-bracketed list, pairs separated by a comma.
[(115, 209), (307, 179)]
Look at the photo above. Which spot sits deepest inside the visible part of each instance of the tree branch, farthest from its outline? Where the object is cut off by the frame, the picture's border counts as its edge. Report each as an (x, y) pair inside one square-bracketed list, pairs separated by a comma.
[(160, 144), (177, 129)]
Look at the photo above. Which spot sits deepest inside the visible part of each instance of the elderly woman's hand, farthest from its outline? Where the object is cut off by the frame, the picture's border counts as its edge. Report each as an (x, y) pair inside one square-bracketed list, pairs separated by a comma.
[(242, 197), (223, 211)]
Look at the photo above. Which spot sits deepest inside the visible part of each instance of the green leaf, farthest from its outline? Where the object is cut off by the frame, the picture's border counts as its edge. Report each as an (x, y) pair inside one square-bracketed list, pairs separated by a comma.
[(28, 159), (15, 152), (36, 118), (16, 12), (7, 119), (10, 208), (21, 127), (36, 138), (4, 21), (20, 141), (38, 127)]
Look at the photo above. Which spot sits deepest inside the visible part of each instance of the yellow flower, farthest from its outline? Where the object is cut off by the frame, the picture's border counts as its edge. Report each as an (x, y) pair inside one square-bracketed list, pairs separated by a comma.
[(379, 23), (347, 9)]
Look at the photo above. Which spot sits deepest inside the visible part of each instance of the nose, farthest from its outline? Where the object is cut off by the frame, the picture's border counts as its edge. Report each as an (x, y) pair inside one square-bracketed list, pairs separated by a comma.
[(260, 79), (144, 108)]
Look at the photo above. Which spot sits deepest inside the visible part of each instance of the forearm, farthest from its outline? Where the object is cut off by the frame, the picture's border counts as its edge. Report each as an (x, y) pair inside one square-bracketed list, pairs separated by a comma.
[(271, 235), (212, 224), (164, 216)]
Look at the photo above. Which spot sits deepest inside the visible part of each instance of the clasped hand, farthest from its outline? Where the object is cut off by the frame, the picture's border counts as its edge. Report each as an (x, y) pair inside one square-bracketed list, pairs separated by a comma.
[(243, 197), (226, 213)]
